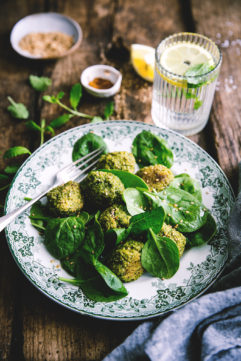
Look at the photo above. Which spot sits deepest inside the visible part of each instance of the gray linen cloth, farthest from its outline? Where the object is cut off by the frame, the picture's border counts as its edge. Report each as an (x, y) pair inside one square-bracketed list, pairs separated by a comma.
[(206, 329)]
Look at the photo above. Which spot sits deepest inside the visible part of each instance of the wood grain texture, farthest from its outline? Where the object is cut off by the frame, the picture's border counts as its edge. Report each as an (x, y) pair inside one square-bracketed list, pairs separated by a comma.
[(221, 22)]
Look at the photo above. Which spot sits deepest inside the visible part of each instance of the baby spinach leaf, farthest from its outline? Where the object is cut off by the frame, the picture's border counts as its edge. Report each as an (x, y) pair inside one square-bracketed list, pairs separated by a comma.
[(204, 234), (160, 256), (87, 144), (15, 152), (150, 149), (187, 183), (17, 110), (39, 215), (60, 121), (69, 263), (182, 209), (93, 284), (150, 219), (129, 180), (111, 280), (135, 201), (63, 236), (75, 95), (93, 244), (39, 83), (115, 236)]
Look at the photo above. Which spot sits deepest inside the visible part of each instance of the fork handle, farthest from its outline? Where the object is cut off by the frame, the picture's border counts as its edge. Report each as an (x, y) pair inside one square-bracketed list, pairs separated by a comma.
[(8, 218)]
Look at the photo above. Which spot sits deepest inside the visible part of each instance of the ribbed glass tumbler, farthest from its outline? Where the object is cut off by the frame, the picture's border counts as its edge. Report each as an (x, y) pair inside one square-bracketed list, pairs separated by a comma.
[(182, 99)]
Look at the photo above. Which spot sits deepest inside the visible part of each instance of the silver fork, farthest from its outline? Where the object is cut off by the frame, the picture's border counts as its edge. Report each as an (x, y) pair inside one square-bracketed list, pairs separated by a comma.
[(73, 171)]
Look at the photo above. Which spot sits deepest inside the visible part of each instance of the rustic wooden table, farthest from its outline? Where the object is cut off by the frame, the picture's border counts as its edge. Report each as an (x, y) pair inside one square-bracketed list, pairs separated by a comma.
[(32, 327)]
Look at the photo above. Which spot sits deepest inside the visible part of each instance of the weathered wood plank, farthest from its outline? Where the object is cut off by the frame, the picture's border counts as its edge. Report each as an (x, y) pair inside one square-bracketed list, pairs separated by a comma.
[(13, 82), (220, 20)]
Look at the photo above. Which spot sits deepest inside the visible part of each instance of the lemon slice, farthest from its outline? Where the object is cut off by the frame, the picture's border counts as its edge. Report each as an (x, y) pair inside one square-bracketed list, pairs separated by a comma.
[(178, 58), (143, 60)]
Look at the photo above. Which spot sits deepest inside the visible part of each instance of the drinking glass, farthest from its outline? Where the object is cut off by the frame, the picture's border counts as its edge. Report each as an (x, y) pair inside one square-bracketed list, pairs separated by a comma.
[(183, 102)]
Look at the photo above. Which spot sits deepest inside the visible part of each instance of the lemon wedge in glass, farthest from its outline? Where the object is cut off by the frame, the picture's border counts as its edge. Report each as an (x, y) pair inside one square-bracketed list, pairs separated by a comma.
[(178, 58), (143, 60)]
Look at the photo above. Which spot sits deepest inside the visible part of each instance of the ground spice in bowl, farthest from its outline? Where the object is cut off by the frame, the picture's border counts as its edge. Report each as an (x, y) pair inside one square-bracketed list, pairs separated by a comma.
[(46, 45), (101, 83)]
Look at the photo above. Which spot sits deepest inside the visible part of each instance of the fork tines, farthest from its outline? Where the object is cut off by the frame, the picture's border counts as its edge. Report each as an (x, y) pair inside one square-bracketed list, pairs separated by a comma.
[(80, 167)]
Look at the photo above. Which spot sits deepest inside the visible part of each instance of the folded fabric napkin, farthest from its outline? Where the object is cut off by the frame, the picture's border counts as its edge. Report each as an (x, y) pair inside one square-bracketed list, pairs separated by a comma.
[(206, 329)]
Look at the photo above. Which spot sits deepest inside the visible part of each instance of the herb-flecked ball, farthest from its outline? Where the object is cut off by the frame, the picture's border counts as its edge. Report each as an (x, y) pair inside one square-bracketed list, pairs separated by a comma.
[(117, 160), (125, 261), (157, 176), (176, 236), (102, 189), (115, 216), (66, 200)]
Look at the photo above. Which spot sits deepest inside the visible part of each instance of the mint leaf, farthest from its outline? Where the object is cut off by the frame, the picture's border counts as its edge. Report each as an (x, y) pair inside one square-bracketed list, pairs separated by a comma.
[(50, 99), (50, 130), (11, 169), (199, 69), (58, 122), (17, 110), (109, 110), (15, 151), (195, 72), (39, 83), (197, 104), (33, 126), (97, 120), (75, 95), (60, 95)]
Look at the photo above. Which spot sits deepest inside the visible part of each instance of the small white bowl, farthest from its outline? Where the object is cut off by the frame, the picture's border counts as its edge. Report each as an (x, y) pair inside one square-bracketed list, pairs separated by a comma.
[(45, 22), (105, 72)]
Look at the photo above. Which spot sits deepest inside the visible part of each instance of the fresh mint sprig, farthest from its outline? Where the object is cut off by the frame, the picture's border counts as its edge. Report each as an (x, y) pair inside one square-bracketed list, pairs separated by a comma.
[(17, 110), (194, 80), (39, 83)]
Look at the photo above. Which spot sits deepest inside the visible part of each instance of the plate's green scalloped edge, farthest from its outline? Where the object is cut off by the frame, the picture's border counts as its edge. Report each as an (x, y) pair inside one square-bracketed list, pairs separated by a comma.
[(204, 286)]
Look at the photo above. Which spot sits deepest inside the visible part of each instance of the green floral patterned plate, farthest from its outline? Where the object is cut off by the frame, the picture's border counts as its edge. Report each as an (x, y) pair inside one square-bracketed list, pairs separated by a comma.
[(148, 296)]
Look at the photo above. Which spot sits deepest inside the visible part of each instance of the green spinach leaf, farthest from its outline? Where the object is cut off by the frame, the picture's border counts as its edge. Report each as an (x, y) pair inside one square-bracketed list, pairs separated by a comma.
[(63, 236), (69, 263), (129, 180), (204, 234), (150, 219), (135, 201), (150, 149), (94, 285), (182, 209), (160, 256), (93, 244), (185, 182), (87, 144), (111, 280)]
